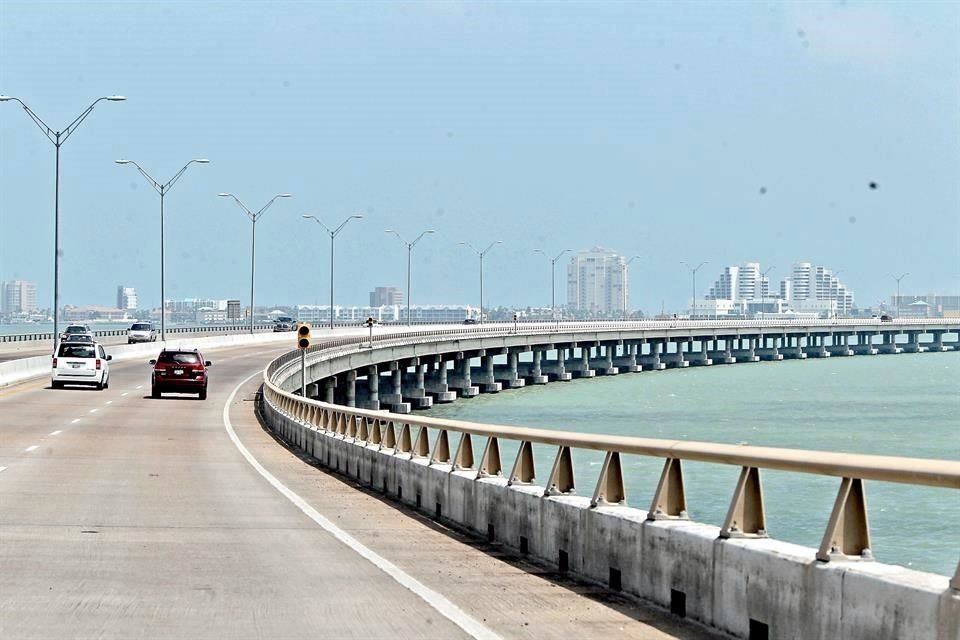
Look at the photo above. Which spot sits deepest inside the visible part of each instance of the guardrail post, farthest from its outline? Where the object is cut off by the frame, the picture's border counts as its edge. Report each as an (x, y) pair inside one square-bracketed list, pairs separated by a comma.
[(561, 476), (670, 500), (421, 448), (746, 517), (490, 462), (610, 488), (523, 471), (441, 449), (464, 456), (848, 533), (405, 444)]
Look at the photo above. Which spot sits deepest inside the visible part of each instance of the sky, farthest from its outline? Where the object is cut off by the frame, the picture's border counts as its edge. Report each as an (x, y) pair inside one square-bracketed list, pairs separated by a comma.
[(675, 131)]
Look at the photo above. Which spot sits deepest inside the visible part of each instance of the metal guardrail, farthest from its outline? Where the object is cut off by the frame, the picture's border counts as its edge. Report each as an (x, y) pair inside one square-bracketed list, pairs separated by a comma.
[(48, 335), (847, 534)]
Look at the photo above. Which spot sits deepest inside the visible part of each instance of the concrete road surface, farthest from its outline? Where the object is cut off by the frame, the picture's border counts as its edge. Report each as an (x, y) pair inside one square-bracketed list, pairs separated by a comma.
[(127, 517)]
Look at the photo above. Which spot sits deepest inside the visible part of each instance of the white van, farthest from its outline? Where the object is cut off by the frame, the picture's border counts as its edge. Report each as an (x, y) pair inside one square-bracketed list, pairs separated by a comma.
[(80, 363)]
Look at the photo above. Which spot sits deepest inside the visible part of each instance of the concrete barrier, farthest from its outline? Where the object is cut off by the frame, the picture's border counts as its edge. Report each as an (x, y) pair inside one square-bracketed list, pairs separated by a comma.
[(748, 588), (16, 371)]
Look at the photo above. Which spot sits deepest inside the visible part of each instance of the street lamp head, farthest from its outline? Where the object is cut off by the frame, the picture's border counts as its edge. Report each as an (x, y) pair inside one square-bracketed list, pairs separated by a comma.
[(201, 161), (116, 98), (122, 161), (356, 216), (5, 98), (430, 231), (225, 195), (285, 195)]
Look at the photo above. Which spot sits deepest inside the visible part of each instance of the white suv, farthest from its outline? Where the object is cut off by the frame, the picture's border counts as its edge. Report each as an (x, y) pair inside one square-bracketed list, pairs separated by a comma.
[(80, 363), (141, 332)]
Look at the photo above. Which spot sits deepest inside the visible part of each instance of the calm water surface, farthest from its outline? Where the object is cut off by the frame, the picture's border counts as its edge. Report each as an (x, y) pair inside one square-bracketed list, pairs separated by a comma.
[(908, 405)]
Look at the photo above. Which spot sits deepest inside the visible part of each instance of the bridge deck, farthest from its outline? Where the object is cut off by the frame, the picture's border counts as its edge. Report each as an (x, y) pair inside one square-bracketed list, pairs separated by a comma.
[(139, 518)]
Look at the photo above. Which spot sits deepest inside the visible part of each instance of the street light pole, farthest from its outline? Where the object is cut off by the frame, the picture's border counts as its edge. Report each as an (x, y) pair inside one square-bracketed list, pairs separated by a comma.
[(58, 138), (553, 281), (693, 271), (624, 285), (902, 276), (410, 246), (162, 189), (481, 254), (253, 244), (333, 234)]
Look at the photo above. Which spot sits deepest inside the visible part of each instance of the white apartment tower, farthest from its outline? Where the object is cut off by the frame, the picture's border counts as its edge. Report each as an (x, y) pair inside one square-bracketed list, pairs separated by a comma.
[(744, 282), (597, 281), (817, 288), (18, 296), (126, 298)]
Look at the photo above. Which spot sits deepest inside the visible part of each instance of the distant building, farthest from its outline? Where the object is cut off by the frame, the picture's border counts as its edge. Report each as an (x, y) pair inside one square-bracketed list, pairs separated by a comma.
[(385, 296), (932, 305), (127, 298), (320, 314), (814, 288), (597, 282), (233, 311), (18, 296), (93, 312)]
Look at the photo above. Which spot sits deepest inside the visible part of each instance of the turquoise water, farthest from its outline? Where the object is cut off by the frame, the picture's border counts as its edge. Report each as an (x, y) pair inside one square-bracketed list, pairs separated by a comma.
[(905, 405)]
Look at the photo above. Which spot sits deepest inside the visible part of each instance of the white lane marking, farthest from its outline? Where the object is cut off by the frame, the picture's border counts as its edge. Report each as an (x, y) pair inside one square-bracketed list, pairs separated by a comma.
[(31, 448), (447, 609), (75, 421), (140, 386), (124, 393), (108, 402), (2, 469), (93, 410), (56, 433)]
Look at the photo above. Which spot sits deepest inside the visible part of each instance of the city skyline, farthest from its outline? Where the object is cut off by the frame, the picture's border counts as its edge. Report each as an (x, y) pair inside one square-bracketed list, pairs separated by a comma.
[(666, 154)]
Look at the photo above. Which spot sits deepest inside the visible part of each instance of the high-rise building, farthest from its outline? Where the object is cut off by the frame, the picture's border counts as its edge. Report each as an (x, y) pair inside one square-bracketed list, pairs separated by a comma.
[(597, 281), (744, 282), (18, 296), (385, 296), (126, 298), (816, 287)]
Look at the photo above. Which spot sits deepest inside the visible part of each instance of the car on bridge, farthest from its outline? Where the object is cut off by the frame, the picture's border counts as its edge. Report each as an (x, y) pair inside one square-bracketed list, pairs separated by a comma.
[(80, 337), (74, 328), (284, 323), (141, 332), (179, 371), (83, 363)]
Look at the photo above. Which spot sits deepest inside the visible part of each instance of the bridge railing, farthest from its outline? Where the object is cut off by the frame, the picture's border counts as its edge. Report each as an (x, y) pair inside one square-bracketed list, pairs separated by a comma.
[(450, 444)]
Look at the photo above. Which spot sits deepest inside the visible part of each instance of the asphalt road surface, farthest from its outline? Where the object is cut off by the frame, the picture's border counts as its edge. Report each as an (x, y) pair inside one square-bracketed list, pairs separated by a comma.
[(127, 517)]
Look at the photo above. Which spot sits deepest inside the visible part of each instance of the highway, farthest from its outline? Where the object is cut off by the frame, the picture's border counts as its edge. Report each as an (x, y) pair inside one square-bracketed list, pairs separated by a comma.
[(123, 516)]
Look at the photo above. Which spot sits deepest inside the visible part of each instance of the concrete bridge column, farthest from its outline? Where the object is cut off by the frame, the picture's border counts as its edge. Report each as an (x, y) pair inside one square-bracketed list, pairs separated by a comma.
[(913, 343), (436, 383), (654, 357), (585, 370), (536, 371), (416, 394), (937, 343), (329, 385), (351, 388), (561, 373), (889, 343), (488, 383), (513, 379), (728, 351), (466, 389), (394, 399), (609, 369), (373, 388), (865, 344)]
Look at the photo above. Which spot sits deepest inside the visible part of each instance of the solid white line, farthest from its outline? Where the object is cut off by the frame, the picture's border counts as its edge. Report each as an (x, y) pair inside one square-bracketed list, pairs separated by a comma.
[(75, 421), (56, 433), (31, 448), (447, 609)]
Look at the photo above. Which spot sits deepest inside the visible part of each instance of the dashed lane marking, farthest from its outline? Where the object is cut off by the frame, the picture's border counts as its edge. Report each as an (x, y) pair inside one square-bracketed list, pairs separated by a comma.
[(442, 605), (31, 448), (124, 393), (92, 411), (2, 469), (75, 421), (108, 402), (56, 433), (140, 386)]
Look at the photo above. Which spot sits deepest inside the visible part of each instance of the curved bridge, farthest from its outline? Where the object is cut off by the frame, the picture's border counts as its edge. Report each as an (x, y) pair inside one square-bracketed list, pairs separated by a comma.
[(733, 578)]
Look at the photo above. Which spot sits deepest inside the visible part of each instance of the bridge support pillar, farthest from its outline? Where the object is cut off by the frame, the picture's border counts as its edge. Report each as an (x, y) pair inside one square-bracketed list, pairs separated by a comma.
[(351, 388), (937, 344), (313, 390), (436, 384), (585, 371), (560, 373), (488, 383), (609, 369), (329, 385), (373, 386), (536, 372)]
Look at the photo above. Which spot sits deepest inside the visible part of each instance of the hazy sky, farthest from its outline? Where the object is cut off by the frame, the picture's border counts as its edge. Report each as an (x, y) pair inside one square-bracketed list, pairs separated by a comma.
[(724, 132)]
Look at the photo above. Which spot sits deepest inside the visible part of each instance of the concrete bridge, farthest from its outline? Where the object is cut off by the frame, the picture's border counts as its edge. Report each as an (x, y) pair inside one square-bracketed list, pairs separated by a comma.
[(123, 516)]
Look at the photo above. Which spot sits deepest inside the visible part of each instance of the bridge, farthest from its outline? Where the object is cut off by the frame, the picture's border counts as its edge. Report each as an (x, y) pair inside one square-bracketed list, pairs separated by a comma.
[(264, 512)]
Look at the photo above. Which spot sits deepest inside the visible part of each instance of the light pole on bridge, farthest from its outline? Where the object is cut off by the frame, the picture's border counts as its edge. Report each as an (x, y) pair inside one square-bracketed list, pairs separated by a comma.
[(58, 138), (553, 281), (481, 254), (693, 271), (162, 189), (253, 245), (624, 287), (333, 234), (898, 279), (410, 246), (763, 290)]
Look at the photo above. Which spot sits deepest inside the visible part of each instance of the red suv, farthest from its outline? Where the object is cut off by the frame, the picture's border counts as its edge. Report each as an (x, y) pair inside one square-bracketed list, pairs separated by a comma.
[(179, 371)]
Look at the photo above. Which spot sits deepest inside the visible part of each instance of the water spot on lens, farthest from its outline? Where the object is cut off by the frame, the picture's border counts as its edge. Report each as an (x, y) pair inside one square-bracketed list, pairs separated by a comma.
[(763, 190), (873, 185), (134, 186), (852, 219), (449, 134), (440, 212), (631, 204)]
